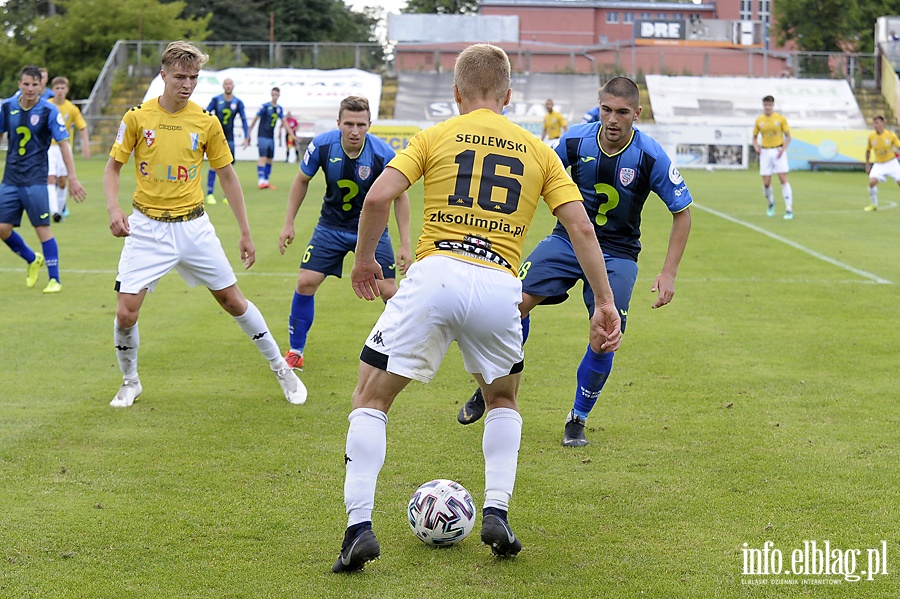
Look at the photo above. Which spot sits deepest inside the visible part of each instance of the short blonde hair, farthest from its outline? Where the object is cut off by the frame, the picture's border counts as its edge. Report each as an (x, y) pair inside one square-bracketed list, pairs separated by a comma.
[(482, 72), (183, 54)]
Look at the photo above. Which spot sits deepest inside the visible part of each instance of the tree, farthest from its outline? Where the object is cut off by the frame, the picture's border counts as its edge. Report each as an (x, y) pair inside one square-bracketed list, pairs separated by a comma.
[(19, 17), (442, 7), (77, 41), (830, 25), (232, 20)]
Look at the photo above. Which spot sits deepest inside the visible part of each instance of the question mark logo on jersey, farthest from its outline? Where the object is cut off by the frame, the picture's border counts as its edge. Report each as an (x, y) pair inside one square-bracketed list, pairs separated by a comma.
[(25, 134)]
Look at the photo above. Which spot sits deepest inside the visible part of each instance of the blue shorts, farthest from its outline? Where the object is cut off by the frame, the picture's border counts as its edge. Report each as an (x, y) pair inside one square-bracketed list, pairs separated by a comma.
[(32, 199), (328, 247), (266, 147), (551, 269)]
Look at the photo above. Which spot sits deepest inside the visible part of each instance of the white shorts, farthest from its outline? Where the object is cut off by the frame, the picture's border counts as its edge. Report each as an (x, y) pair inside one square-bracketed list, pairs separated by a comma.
[(442, 300), (56, 164), (882, 170), (769, 162), (155, 247)]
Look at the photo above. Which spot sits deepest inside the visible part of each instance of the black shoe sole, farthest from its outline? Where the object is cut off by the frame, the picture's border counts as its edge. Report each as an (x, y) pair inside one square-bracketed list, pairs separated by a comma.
[(495, 534), (472, 410)]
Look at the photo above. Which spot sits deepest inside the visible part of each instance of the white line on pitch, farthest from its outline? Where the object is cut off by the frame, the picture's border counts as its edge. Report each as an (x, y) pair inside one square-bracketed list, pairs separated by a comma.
[(872, 277)]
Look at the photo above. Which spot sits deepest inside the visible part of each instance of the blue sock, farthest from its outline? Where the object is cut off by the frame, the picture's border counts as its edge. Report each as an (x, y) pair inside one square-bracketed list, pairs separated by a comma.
[(211, 182), (526, 328), (303, 310), (592, 374), (261, 172), (268, 171), (504, 515), (19, 247), (51, 254)]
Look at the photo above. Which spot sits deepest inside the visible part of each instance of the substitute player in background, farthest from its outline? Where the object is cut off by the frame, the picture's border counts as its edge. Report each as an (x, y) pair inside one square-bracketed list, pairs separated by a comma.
[(776, 137), (268, 116), (290, 142), (616, 167), (881, 143), (168, 227), (31, 122), (57, 176), (227, 108), (554, 125), (484, 177), (351, 159)]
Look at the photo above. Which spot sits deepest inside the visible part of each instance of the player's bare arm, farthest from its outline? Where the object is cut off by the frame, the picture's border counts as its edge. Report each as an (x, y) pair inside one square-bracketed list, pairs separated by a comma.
[(372, 221), (235, 196), (664, 283), (401, 213), (296, 195), (606, 324), (118, 222)]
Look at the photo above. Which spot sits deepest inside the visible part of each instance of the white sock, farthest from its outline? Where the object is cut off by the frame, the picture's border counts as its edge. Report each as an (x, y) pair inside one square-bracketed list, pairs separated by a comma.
[(500, 444), (363, 458), (127, 342), (767, 192), (51, 195), (788, 196), (61, 199), (253, 323), (873, 193)]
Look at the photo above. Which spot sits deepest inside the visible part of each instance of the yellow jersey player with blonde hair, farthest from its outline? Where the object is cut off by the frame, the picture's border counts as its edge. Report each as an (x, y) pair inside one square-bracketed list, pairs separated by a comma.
[(881, 144), (776, 137), (168, 228), (484, 177), (58, 175)]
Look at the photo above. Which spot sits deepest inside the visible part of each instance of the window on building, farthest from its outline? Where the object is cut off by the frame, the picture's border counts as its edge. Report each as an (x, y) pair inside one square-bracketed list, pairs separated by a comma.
[(645, 15), (612, 16), (765, 10), (746, 10), (661, 15)]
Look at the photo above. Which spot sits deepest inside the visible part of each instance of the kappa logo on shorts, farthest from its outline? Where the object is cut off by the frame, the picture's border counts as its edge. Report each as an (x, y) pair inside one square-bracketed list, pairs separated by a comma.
[(626, 175), (376, 338), (149, 136)]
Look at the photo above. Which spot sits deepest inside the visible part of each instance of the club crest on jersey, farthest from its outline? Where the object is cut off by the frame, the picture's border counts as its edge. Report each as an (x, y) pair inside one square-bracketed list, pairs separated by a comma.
[(364, 172), (149, 136), (626, 175), (195, 141), (34, 120)]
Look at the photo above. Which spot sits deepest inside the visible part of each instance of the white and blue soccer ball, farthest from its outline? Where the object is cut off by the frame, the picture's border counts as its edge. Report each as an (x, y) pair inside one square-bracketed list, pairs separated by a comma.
[(441, 513)]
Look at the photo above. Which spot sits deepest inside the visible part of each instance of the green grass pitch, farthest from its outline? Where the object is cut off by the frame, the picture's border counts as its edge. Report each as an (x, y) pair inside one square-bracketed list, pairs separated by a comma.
[(761, 405)]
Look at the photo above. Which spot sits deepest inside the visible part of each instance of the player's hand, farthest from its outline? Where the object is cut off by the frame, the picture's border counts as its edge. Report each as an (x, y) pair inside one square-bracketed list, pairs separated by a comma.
[(404, 259), (248, 252), (364, 277), (286, 238), (606, 328), (76, 190), (246, 142), (665, 285), (86, 152), (118, 223)]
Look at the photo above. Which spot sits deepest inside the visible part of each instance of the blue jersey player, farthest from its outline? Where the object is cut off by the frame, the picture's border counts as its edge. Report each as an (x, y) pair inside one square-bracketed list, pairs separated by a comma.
[(227, 108), (268, 116), (592, 115), (31, 123), (616, 167), (352, 159)]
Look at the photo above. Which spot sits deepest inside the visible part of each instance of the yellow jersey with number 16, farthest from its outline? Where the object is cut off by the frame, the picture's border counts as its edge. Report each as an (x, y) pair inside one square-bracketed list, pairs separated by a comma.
[(484, 177)]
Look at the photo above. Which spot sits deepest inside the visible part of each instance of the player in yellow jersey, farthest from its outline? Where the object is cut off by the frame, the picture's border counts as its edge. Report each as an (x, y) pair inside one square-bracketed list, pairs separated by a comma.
[(484, 177), (776, 137), (58, 175), (881, 144), (554, 125), (168, 227)]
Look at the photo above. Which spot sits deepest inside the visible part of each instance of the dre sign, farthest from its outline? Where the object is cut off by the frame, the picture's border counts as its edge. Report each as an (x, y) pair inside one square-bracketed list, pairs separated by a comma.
[(659, 30)]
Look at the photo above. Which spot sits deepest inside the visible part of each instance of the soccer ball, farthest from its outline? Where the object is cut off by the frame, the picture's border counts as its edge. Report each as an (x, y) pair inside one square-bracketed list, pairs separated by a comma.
[(441, 513)]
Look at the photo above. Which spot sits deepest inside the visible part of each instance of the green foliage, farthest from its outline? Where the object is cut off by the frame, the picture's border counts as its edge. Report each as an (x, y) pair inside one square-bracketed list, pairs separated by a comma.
[(442, 7), (830, 25), (759, 406), (77, 41)]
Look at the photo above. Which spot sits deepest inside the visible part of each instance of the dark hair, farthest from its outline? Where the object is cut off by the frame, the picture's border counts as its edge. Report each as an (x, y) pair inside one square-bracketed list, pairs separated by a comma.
[(31, 71), (354, 104), (878, 117), (622, 87), (275, 89), (769, 99)]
